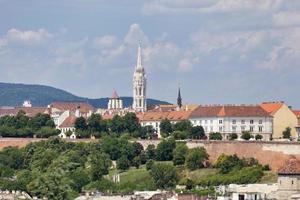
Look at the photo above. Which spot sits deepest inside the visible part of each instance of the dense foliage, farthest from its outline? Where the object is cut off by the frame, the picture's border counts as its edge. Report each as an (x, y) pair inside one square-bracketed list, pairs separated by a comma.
[(41, 126)]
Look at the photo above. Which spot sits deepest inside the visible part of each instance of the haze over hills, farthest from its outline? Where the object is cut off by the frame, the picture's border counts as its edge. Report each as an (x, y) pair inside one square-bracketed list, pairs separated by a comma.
[(13, 94)]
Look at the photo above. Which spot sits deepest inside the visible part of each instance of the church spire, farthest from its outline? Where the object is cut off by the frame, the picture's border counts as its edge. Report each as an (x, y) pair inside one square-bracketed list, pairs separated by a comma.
[(179, 99), (139, 58)]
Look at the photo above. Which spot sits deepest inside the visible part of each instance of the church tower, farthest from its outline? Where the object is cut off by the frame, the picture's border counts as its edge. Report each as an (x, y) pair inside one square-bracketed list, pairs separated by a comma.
[(179, 99), (139, 85)]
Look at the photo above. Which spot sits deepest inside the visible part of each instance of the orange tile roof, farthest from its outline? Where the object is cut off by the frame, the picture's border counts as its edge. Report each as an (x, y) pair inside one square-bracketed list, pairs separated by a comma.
[(69, 122), (170, 115), (229, 111), (271, 107), (291, 167), (297, 113)]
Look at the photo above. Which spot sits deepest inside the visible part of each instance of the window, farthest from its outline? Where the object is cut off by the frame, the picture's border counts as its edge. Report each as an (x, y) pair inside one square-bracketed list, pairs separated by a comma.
[(243, 128), (292, 182), (233, 121), (200, 121), (220, 129), (260, 128), (205, 128), (251, 121), (260, 121), (243, 121), (211, 129), (220, 121), (156, 124), (211, 121), (205, 121), (233, 128), (251, 128)]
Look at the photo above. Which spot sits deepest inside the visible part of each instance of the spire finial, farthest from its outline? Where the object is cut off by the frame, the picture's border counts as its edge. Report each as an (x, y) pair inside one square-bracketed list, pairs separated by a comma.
[(139, 57)]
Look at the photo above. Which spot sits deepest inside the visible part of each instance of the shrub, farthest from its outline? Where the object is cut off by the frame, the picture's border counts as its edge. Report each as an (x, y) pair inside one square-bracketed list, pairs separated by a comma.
[(233, 136), (258, 137), (215, 136), (246, 135), (164, 175), (123, 163), (179, 154), (149, 164)]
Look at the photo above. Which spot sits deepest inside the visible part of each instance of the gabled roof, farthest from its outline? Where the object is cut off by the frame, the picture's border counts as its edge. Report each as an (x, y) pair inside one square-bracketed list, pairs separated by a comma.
[(291, 167), (72, 106), (229, 111), (271, 107), (69, 122)]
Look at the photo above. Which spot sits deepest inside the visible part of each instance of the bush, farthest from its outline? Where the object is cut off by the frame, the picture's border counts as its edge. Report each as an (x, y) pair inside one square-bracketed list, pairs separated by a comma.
[(233, 136), (180, 135), (149, 164), (164, 150), (258, 137), (215, 136), (246, 135)]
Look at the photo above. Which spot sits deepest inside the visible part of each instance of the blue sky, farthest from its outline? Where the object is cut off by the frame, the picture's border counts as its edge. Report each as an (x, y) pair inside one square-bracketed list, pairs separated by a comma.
[(219, 51)]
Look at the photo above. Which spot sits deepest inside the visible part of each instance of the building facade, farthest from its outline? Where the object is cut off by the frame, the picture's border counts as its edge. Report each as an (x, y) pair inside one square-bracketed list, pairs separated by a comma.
[(229, 119), (139, 85)]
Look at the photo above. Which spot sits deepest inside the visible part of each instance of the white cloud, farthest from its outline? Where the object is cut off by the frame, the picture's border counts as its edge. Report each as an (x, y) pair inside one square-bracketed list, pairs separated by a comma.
[(28, 37), (286, 19), (135, 35), (105, 41)]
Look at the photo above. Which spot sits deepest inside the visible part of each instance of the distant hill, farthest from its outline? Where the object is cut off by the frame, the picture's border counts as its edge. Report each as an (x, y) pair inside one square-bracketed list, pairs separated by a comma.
[(12, 94)]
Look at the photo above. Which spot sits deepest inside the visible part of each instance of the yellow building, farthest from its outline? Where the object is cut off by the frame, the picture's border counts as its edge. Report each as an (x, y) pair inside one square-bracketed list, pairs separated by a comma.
[(283, 117)]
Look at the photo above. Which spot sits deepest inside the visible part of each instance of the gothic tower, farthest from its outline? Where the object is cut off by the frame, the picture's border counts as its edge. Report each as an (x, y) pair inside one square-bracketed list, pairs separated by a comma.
[(179, 99), (139, 85)]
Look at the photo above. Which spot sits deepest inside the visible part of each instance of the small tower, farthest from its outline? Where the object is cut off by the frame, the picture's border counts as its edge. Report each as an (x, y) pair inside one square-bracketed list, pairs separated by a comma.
[(115, 103), (139, 85), (179, 99)]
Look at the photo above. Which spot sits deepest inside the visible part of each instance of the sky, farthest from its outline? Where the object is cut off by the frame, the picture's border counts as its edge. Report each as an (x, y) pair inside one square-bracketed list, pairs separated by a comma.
[(218, 51)]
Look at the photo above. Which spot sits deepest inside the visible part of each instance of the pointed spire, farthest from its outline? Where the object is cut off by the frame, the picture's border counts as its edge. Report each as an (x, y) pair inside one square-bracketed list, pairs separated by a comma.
[(114, 95), (179, 99), (139, 58)]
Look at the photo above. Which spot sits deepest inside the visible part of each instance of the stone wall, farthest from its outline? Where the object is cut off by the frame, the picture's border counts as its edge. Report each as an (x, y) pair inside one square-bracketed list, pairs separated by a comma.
[(272, 153)]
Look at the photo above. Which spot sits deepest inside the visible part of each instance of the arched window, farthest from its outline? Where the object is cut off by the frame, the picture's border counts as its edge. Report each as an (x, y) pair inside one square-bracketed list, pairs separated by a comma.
[(140, 91), (140, 102)]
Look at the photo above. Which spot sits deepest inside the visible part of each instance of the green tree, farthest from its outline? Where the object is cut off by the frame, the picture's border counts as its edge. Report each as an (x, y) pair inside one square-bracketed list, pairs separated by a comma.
[(164, 175), (150, 151), (215, 136), (179, 154), (149, 164), (80, 123), (287, 133), (117, 124), (180, 135), (136, 162), (96, 124), (195, 158), (45, 132), (165, 127), (137, 148), (123, 163), (197, 132), (100, 164), (164, 150), (131, 122), (184, 125), (79, 178)]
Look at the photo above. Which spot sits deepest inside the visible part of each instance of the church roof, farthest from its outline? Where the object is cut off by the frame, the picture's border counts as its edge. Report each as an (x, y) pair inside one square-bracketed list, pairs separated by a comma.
[(114, 95), (68, 122), (291, 167)]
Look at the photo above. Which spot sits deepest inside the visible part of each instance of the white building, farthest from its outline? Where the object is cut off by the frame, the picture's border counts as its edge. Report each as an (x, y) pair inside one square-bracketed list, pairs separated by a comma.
[(139, 85), (115, 103), (229, 119)]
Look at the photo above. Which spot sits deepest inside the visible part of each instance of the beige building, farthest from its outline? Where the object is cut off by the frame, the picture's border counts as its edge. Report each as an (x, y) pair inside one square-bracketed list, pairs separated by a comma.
[(283, 117)]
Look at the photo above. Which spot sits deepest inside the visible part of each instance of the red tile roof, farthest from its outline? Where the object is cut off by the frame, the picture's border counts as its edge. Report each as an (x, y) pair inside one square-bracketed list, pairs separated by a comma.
[(229, 111), (69, 122), (170, 115), (271, 107), (72, 106), (291, 167), (30, 111), (297, 113)]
